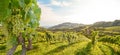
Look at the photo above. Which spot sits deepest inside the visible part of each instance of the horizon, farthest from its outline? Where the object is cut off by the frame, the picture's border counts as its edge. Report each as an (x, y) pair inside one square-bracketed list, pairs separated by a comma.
[(76, 23), (78, 11)]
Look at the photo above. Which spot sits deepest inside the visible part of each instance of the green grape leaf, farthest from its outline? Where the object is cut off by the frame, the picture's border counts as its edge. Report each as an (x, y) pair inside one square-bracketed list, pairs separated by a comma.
[(34, 1), (22, 3), (3, 8), (37, 12), (12, 40), (14, 4), (27, 1)]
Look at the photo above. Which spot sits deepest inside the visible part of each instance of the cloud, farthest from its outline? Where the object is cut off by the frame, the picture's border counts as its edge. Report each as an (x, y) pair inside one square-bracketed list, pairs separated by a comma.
[(79, 11), (60, 3), (90, 11), (48, 16)]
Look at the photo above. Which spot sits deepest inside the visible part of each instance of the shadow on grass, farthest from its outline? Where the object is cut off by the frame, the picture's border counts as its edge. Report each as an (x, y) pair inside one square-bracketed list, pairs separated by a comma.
[(85, 50), (35, 42), (34, 49), (58, 49)]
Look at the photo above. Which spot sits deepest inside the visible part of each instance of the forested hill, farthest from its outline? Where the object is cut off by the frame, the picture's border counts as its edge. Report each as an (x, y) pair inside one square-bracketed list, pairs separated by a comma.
[(107, 24), (66, 25)]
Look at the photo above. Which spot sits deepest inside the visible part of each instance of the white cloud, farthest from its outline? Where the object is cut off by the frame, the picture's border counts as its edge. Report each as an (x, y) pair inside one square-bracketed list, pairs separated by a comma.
[(90, 11), (60, 3), (54, 2), (48, 16)]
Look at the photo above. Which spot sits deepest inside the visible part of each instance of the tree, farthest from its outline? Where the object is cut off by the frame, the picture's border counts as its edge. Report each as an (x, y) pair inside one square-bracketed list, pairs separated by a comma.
[(19, 18), (116, 23)]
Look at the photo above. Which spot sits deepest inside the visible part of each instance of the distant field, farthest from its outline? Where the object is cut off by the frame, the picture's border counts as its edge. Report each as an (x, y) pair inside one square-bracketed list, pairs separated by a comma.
[(114, 28)]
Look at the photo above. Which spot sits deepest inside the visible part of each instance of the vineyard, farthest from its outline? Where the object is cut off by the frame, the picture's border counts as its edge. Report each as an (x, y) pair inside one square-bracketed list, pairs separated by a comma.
[(69, 43), (20, 34)]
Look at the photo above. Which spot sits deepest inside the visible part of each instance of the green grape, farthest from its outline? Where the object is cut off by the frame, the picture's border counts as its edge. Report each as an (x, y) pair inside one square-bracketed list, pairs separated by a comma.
[(16, 15)]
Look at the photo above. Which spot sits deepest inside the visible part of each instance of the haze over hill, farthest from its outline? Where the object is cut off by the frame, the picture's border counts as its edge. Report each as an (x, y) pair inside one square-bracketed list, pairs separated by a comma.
[(66, 25), (69, 25)]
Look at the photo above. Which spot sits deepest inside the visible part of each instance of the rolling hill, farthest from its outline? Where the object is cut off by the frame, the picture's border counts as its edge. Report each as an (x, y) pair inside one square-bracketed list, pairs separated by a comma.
[(66, 25)]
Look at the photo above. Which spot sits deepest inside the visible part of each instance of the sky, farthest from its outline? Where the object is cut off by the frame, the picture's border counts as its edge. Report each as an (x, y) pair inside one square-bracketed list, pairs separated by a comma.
[(78, 11)]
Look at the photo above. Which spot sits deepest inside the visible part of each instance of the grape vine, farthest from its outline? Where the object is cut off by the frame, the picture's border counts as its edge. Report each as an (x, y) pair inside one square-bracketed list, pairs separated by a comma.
[(19, 18)]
